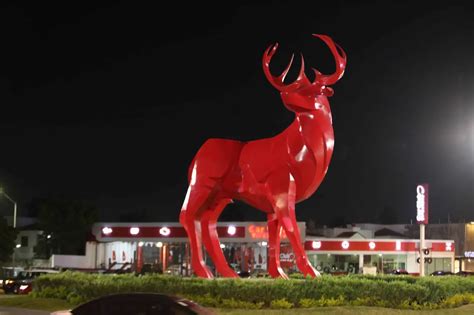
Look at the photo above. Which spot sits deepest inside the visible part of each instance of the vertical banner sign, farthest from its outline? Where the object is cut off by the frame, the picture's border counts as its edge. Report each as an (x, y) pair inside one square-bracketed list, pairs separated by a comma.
[(422, 204)]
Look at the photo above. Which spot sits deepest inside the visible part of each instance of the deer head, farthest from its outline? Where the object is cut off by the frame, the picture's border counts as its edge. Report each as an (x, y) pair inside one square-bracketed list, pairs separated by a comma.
[(302, 94)]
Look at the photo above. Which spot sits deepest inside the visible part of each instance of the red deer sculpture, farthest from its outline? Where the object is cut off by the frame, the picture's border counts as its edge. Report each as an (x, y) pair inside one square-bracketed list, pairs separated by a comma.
[(271, 174)]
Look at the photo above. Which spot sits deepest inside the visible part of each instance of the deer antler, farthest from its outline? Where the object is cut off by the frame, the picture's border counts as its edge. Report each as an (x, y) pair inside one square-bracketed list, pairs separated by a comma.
[(320, 82), (341, 61)]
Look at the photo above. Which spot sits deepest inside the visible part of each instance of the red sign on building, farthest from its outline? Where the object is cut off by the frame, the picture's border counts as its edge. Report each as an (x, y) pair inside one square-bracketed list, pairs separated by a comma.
[(422, 204)]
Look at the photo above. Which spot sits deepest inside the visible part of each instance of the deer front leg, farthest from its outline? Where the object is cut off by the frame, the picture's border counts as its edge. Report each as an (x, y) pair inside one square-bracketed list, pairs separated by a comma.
[(211, 239), (189, 217), (284, 193), (274, 228)]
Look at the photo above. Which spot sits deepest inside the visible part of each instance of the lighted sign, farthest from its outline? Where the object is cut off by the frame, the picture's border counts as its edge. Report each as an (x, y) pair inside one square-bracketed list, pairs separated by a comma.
[(256, 231), (422, 204), (165, 231), (106, 230), (259, 231), (345, 244), (287, 257), (134, 230), (469, 254), (398, 245), (231, 230), (316, 245), (449, 246), (372, 245)]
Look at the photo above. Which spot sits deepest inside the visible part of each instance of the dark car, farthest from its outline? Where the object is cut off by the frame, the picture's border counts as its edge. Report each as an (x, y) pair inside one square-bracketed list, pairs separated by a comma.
[(244, 274), (8, 273), (465, 273), (23, 282), (138, 304), (442, 273), (399, 272)]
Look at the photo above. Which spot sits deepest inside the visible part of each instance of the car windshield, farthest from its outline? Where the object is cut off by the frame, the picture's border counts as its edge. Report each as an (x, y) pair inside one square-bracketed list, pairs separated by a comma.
[(29, 274), (9, 272)]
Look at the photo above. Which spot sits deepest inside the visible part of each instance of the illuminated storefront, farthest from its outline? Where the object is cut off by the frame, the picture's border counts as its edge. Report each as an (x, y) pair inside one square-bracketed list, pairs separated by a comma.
[(380, 255), (468, 250), (163, 247)]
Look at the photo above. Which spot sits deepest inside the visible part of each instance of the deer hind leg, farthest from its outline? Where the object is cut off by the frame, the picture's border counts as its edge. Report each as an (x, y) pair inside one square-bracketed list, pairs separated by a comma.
[(284, 207), (274, 228), (190, 217), (211, 239)]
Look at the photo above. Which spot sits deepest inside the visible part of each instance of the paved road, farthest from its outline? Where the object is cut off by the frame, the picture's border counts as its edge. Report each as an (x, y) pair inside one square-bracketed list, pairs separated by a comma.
[(20, 311)]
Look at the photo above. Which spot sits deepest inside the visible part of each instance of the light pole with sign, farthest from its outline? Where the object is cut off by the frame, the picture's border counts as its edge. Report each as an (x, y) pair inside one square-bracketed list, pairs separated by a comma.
[(422, 219)]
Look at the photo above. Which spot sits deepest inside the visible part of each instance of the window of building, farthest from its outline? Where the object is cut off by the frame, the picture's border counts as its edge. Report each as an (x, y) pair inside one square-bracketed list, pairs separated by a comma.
[(438, 264), (24, 241), (335, 264)]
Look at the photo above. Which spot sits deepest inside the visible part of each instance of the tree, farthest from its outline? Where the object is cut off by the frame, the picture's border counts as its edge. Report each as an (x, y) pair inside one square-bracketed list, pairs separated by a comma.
[(7, 240), (66, 225)]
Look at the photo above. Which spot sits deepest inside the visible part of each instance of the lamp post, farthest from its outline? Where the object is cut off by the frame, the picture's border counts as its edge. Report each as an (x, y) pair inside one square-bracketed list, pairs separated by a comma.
[(2, 192)]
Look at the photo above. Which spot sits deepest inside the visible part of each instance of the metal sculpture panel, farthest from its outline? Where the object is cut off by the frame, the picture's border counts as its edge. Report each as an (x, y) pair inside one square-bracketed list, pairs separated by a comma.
[(271, 174)]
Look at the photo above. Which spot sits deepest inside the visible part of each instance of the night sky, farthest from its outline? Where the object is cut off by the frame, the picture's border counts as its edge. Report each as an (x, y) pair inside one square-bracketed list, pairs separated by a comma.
[(109, 104)]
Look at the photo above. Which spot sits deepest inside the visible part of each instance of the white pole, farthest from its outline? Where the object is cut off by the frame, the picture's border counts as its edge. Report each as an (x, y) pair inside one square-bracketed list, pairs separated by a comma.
[(14, 215), (422, 248)]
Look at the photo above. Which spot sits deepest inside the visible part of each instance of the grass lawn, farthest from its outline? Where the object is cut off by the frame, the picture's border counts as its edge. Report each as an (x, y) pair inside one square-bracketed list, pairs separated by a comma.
[(363, 310), (56, 304), (24, 301)]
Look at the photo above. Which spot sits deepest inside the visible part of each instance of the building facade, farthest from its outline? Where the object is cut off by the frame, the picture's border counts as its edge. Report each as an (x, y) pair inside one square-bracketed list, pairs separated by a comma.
[(163, 247)]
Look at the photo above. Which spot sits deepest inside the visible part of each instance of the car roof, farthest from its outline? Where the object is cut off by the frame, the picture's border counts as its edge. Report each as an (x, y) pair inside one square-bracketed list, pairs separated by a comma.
[(147, 296), (41, 270)]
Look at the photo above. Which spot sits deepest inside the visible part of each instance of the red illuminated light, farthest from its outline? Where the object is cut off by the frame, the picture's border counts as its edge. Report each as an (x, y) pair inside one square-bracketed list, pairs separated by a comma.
[(261, 231)]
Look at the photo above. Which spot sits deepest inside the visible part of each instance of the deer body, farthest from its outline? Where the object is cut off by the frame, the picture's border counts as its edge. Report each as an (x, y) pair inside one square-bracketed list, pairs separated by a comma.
[(270, 174)]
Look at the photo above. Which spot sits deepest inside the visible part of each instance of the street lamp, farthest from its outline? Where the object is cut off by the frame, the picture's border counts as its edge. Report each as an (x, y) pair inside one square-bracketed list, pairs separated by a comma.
[(14, 254), (2, 192)]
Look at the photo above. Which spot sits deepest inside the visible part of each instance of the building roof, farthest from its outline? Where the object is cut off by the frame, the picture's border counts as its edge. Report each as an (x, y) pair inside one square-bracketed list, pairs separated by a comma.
[(351, 234)]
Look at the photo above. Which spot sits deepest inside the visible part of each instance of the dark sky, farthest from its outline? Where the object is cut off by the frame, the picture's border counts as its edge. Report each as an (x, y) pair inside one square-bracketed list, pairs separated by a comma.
[(110, 103)]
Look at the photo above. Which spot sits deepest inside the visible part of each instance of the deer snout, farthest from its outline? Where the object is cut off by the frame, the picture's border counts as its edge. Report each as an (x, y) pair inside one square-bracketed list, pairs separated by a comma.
[(297, 102)]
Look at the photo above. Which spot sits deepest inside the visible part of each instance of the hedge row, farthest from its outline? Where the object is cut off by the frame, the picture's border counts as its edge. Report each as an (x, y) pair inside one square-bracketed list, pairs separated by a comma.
[(386, 291)]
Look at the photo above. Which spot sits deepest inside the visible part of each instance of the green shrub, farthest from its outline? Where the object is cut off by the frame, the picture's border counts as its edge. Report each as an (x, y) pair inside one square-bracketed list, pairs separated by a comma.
[(387, 291), (231, 303), (458, 300), (307, 303), (205, 300), (281, 303)]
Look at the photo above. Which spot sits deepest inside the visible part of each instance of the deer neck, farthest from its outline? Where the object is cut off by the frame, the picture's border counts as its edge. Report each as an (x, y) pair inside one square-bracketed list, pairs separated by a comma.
[(311, 134), (314, 124), (310, 143)]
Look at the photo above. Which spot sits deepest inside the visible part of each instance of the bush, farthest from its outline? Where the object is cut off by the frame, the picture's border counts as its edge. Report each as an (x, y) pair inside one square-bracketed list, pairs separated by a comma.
[(458, 300), (281, 303), (307, 303), (386, 291)]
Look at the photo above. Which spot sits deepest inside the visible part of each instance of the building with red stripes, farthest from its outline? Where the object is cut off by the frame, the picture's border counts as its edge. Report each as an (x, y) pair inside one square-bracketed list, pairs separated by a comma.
[(163, 247)]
